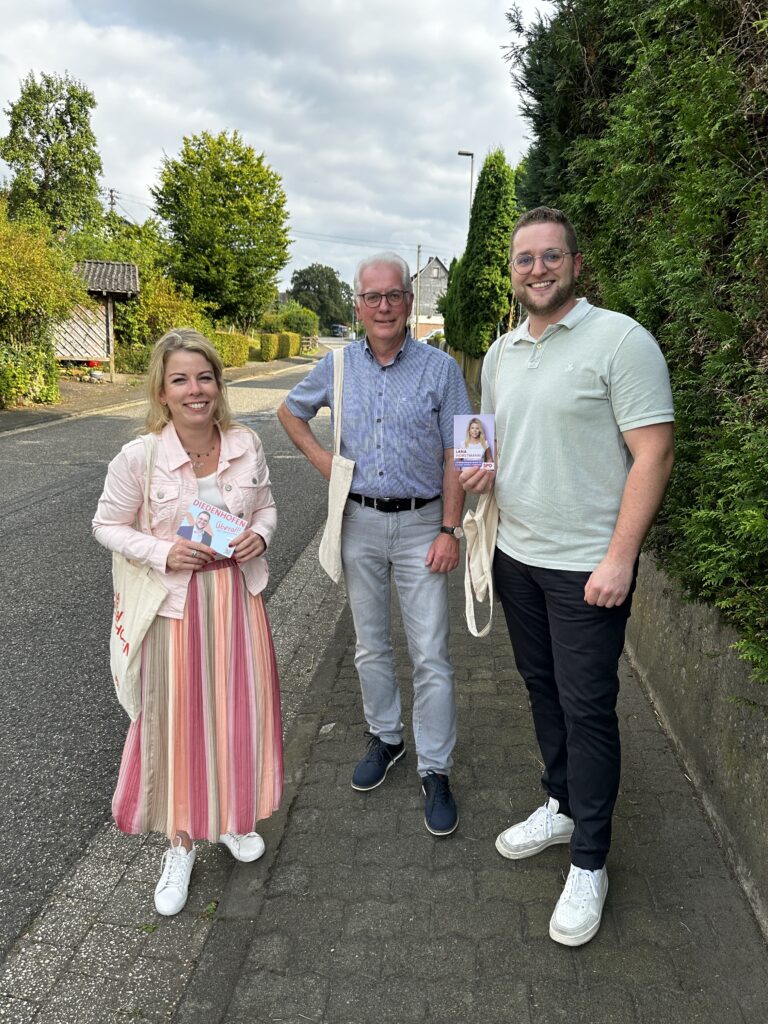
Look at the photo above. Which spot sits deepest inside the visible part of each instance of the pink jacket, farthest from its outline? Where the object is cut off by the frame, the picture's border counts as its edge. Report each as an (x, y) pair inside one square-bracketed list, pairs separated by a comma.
[(243, 479)]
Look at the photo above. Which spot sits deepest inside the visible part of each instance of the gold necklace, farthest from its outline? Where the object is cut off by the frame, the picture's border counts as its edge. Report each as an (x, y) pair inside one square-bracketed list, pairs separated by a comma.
[(198, 458)]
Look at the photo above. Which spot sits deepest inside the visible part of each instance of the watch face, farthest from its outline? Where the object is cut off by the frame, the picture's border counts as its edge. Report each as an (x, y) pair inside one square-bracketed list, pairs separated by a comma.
[(458, 533)]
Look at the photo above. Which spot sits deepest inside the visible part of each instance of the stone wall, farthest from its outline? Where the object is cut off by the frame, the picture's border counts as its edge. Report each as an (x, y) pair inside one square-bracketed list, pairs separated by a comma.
[(682, 652)]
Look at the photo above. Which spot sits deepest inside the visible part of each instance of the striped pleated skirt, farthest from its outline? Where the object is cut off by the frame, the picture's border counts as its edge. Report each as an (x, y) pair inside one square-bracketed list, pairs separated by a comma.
[(205, 756)]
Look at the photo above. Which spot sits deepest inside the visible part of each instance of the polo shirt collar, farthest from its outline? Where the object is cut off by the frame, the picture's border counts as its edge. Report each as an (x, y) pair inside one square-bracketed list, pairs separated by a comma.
[(571, 319)]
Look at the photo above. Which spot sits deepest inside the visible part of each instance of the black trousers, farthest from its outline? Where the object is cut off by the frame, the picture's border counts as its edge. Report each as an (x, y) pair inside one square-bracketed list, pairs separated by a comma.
[(567, 652)]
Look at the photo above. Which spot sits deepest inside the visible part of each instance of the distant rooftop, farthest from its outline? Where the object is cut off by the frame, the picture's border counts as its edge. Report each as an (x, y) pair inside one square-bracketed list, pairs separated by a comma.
[(108, 276)]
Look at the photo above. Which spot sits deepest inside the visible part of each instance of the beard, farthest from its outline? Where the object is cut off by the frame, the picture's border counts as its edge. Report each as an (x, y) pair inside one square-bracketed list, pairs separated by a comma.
[(563, 293)]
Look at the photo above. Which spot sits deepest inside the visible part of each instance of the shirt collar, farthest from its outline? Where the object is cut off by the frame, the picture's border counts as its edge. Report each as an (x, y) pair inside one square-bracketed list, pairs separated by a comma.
[(401, 352), (571, 319)]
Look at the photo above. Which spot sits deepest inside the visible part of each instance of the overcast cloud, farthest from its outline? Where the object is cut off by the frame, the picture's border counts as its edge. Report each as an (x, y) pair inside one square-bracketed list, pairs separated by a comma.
[(360, 107)]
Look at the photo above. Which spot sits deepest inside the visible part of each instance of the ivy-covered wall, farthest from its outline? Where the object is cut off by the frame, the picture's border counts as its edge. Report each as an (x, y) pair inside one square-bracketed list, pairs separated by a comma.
[(651, 133)]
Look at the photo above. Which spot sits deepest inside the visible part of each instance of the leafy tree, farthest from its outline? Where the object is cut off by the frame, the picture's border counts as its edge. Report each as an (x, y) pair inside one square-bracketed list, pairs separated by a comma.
[(320, 288), (226, 212), (477, 301), (51, 149)]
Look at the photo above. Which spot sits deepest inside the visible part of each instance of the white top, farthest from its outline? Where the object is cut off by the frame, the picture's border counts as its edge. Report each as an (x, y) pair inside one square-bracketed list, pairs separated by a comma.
[(561, 403), (209, 492)]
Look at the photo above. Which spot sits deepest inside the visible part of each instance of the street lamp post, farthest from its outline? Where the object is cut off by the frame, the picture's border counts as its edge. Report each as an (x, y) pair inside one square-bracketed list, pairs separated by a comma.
[(466, 152)]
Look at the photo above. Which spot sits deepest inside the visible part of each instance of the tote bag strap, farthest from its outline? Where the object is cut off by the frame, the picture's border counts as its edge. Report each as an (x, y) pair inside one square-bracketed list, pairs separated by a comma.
[(338, 391), (150, 458)]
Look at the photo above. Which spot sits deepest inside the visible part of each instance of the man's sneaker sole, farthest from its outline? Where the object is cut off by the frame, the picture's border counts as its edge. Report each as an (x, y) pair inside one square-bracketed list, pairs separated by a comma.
[(445, 832), (522, 854), (392, 763)]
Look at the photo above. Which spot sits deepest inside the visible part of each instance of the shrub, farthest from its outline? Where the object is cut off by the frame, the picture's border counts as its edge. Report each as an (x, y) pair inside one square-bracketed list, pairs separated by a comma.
[(132, 358), (271, 323), (298, 319), (268, 347), (28, 372), (288, 344), (233, 348)]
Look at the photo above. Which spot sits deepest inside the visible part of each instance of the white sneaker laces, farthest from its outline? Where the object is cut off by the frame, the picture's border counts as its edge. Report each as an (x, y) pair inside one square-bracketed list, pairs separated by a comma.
[(174, 867), (581, 886), (540, 819)]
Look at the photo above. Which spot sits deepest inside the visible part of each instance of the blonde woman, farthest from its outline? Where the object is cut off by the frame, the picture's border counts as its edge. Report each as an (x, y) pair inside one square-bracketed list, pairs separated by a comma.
[(476, 444), (204, 758)]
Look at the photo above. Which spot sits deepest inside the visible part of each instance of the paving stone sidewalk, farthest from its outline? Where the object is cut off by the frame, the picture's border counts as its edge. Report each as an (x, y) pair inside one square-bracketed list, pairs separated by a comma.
[(362, 916)]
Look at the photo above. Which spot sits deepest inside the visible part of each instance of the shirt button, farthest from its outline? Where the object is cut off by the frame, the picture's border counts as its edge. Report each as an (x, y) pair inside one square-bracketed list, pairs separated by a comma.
[(161, 494), (538, 345), (254, 479), (381, 472), (228, 487), (379, 420)]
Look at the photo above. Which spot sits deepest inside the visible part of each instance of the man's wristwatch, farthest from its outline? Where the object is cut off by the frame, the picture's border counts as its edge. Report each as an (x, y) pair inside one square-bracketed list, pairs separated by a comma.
[(454, 531)]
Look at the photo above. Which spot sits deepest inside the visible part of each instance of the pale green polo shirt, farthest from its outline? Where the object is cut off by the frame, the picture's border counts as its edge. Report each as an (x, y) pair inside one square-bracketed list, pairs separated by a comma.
[(561, 403)]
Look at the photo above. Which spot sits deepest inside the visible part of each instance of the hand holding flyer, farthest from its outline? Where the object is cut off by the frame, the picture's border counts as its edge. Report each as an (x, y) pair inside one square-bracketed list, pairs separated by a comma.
[(473, 441), (213, 526)]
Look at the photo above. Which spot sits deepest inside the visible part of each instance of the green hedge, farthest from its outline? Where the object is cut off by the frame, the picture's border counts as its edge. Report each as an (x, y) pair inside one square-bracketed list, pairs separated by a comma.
[(288, 344), (269, 346), (233, 348), (650, 132), (28, 373)]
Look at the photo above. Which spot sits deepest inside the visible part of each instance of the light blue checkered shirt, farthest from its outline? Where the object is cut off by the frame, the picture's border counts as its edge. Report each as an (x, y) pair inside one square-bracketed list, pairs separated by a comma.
[(396, 420)]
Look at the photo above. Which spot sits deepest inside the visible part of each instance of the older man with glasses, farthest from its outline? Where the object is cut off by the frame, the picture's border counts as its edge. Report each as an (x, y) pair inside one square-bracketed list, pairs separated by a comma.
[(584, 421), (402, 519)]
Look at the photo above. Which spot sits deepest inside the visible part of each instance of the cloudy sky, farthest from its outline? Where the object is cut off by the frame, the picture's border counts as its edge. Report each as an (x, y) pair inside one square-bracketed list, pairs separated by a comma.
[(360, 106)]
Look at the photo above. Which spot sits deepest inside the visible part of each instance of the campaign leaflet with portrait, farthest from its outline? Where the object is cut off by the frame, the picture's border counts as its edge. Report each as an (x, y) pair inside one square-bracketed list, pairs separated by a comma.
[(474, 442), (210, 525)]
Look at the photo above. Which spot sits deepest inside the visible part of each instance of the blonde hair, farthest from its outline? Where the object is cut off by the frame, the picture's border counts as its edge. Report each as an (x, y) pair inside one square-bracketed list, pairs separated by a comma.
[(476, 440), (183, 339)]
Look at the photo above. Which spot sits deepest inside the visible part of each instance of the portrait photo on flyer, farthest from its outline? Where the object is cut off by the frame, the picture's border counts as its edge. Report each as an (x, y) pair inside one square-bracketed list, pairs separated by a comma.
[(210, 525), (473, 441)]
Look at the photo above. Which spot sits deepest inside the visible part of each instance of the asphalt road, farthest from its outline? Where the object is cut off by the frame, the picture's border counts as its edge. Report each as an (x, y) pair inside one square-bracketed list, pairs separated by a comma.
[(62, 728)]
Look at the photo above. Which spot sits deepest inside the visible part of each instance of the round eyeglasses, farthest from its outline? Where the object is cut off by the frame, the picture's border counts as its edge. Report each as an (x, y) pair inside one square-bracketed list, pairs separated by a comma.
[(373, 299), (552, 259)]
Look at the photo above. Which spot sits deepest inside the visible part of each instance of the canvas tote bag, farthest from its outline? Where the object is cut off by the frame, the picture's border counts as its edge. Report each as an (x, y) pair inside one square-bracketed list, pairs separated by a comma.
[(480, 528), (340, 482), (138, 595)]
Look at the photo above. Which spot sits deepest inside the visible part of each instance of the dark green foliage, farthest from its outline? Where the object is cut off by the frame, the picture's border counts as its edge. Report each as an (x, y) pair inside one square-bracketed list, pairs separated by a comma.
[(51, 149), (477, 300), (320, 289), (662, 163)]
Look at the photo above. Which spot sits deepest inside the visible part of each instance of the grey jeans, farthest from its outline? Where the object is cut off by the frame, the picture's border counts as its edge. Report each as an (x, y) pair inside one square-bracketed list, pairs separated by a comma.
[(374, 546)]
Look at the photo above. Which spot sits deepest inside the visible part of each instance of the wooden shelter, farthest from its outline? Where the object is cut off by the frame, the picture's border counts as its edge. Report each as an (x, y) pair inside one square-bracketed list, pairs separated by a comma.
[(89, 333)]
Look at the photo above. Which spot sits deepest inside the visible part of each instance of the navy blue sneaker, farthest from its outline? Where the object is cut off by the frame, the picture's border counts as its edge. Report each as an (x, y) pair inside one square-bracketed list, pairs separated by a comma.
[(373, 768), (441, 815)]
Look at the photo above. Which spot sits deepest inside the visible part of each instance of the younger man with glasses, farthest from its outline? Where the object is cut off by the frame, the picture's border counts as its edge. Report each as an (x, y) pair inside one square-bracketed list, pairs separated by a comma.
[(402, 518), (584, 423)]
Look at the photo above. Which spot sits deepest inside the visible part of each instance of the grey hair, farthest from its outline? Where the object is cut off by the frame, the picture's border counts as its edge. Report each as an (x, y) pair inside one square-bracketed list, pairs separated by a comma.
[(390, 258)]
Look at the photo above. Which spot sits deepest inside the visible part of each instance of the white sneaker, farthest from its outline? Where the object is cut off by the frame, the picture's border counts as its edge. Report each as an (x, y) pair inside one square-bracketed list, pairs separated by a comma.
[(545, 827), (244, 848), (171, 891), (578, 912)]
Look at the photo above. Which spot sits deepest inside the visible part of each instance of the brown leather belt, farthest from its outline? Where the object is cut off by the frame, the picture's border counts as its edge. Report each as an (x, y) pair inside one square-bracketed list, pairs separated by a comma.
[(391, 504)]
